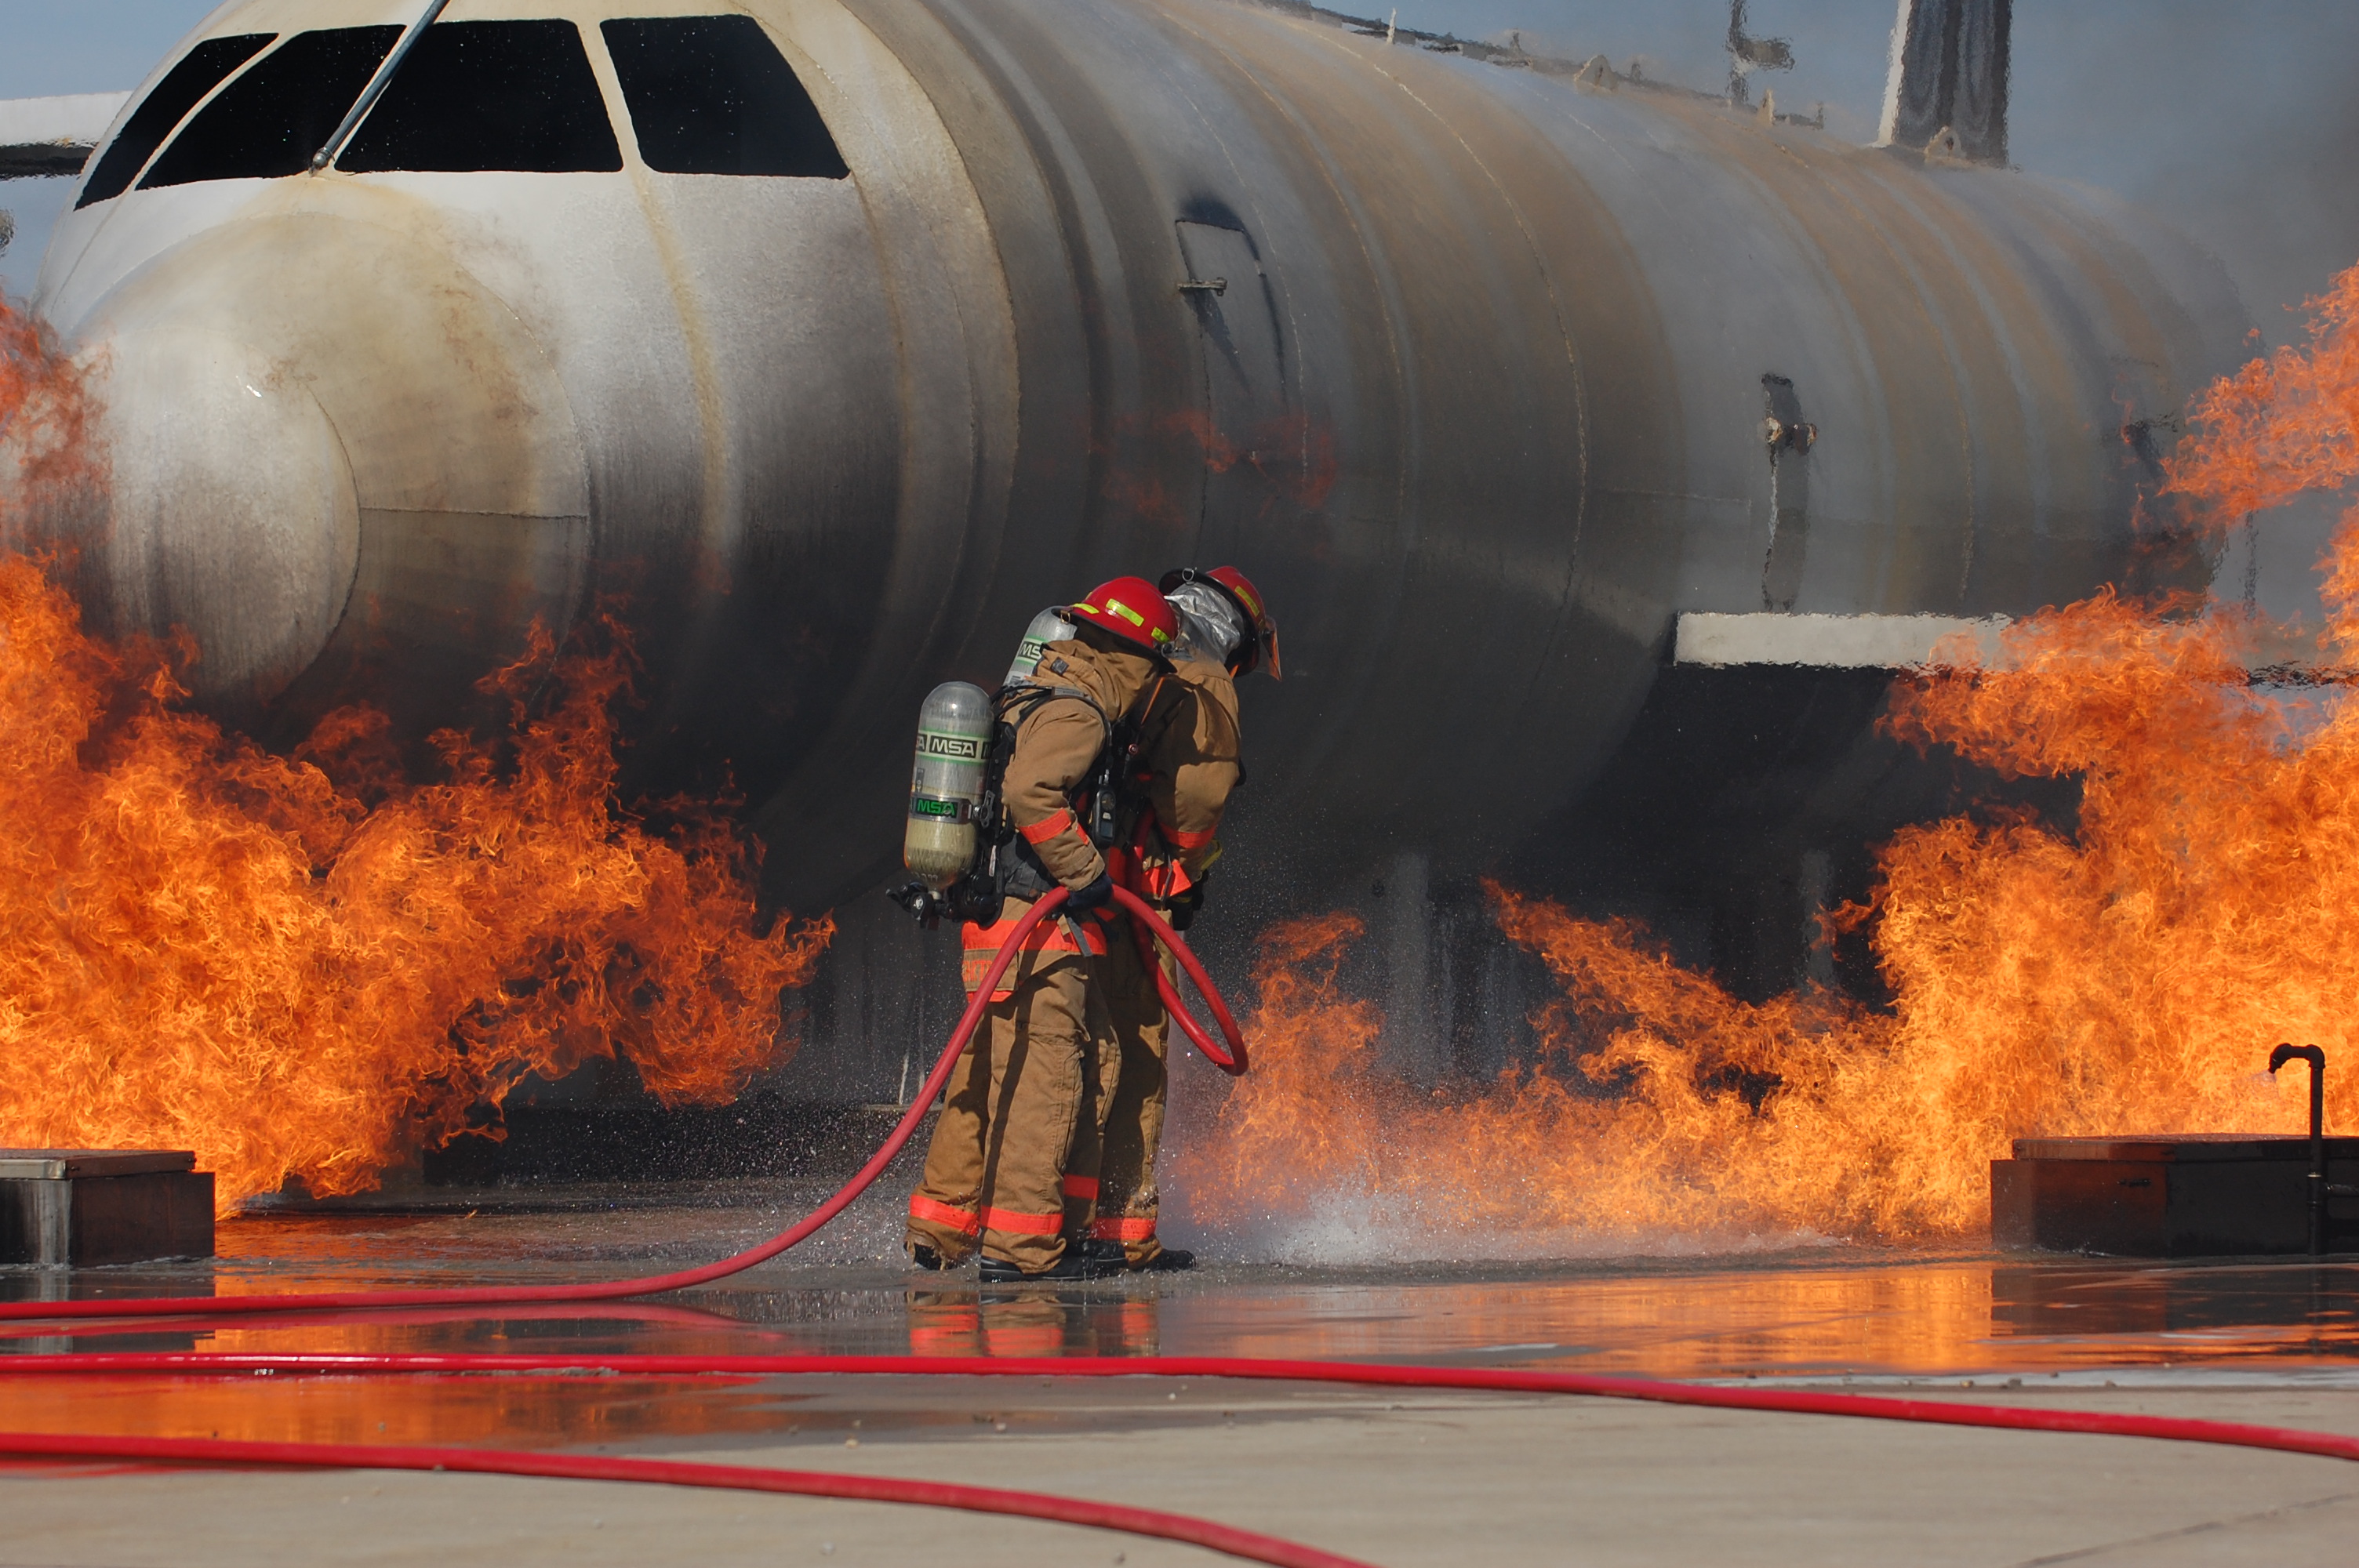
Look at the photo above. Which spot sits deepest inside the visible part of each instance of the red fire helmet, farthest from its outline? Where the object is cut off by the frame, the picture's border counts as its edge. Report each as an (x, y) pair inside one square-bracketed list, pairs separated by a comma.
[(1261, 626), (1130, 609)]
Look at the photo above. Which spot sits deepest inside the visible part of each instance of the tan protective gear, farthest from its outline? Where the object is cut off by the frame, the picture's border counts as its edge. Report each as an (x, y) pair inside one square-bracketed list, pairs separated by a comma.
[(1057, 743), (1013, 1164), (1189, 748), (1127, 1203), (1022, 1106)]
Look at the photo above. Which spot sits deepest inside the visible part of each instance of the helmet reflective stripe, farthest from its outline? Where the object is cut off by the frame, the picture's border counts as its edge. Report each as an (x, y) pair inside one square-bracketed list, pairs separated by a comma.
[(1117, 607), (1131, 609)]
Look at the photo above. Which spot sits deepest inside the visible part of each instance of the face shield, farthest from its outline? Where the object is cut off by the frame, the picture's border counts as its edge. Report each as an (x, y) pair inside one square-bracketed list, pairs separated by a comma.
[(1208, 622)]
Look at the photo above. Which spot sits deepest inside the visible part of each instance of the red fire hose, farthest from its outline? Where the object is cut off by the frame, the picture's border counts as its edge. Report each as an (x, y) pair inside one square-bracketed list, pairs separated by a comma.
[(1242, 1544), (1231, 1061), (1122, 867), (1490, 1379), (654, 1284)]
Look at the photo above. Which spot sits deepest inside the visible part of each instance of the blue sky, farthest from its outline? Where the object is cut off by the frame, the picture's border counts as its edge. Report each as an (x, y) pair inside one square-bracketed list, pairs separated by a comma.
[(2234, 120)]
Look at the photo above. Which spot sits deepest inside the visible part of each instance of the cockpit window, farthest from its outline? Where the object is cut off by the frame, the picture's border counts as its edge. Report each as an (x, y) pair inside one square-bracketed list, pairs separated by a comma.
[(200, 71), (271, 120), (712, 95), (490, 95)]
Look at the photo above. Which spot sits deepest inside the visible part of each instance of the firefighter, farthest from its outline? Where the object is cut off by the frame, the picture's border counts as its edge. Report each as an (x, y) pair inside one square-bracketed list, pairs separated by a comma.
[(1025, 1103), (1188, 761)]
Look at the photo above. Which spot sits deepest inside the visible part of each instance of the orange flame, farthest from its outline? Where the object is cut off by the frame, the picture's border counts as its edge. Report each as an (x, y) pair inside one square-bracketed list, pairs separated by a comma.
[(45, 438), (306, 968), (1636, 1123), (2127, 976)]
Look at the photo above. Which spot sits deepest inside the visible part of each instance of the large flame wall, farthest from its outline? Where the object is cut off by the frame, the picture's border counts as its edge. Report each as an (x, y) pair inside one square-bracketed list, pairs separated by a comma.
[(305, 967), (2126, 974), (308, 967)]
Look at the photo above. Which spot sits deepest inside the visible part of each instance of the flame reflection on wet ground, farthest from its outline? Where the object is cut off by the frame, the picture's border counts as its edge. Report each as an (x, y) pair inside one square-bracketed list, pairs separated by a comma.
[(1867, 1314)]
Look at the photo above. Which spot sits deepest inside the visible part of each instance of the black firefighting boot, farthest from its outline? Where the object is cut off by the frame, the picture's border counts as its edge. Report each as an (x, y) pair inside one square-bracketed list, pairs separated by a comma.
[(1076, 1264), (1170, 1260)]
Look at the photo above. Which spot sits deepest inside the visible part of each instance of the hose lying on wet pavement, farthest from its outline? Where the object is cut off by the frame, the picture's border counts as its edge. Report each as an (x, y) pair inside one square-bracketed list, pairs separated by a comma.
[(1243, 1544), (1486, 1380), (1246, 1544)]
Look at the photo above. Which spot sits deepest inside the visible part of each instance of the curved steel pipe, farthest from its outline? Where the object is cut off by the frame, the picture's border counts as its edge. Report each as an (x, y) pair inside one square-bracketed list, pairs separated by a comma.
[(2316, 1057)]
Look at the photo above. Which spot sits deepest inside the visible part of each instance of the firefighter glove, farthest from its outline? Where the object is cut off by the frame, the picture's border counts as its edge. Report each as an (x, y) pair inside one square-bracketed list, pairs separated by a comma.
[(1097, 895), (1184, 909)]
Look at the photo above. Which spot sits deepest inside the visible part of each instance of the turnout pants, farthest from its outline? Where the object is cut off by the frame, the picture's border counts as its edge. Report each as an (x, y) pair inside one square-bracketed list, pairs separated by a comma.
[(1134, 1122), (1021, 1110)]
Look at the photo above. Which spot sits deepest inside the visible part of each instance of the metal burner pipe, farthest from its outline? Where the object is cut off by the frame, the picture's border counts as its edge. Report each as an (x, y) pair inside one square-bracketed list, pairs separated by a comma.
[(2317, 1060)]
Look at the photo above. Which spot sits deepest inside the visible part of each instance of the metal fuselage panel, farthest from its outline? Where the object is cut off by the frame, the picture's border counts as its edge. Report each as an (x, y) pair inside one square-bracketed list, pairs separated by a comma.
[(1465, 365)]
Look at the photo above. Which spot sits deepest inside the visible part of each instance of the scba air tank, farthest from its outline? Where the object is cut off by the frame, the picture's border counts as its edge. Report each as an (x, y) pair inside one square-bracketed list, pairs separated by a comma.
[(954, 743), (1048, 626)]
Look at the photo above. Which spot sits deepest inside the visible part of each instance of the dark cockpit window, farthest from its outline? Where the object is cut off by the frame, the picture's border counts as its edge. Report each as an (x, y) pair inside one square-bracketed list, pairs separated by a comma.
[(490, 95), (200, 71), (712, 95), (270, 121)]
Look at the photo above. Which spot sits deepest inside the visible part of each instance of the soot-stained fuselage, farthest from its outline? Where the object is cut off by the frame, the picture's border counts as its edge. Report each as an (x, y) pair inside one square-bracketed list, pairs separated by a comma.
[(838, 336)]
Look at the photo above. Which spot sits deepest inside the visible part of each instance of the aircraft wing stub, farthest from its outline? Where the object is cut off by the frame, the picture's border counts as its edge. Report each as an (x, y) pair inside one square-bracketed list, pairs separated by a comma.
[(48, 136), (2273, 652), (1832, 641)]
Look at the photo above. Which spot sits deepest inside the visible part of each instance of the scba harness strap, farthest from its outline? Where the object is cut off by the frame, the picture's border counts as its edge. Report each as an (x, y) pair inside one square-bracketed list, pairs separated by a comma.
[(1095, 805), (1010, 866)]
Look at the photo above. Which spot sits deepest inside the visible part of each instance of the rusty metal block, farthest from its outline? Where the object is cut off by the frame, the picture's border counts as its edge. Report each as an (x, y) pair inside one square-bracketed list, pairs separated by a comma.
[(2197, 1195), (60, 1207)]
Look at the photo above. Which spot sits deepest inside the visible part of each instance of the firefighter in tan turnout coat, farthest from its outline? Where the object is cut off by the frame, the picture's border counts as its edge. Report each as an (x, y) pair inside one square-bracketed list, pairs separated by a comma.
[(1023, 1106)]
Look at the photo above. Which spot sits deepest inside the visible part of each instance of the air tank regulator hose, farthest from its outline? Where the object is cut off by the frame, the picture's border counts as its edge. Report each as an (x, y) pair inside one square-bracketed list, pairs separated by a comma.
[(1230, 1059)]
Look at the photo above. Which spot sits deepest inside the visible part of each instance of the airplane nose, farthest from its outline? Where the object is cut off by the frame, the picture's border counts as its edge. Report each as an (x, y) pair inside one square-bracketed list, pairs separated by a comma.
[(233, 508), (340, 460)]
